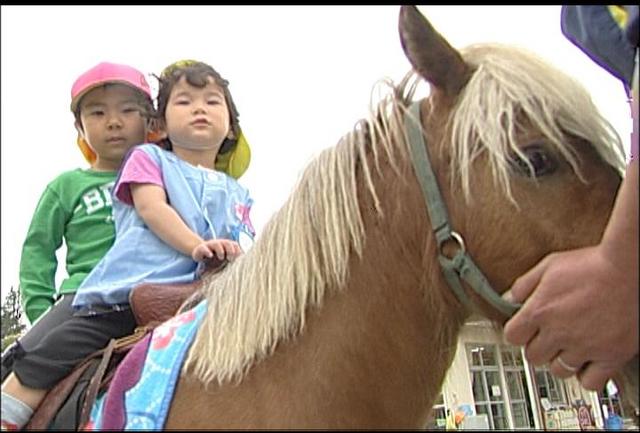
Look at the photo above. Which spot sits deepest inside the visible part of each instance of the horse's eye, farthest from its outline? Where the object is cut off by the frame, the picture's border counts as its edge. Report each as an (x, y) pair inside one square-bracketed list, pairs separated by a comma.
[(541, 162)]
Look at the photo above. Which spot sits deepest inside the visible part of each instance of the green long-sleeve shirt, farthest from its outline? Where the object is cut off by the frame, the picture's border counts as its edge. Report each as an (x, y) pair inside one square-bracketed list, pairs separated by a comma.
[(75, 207)]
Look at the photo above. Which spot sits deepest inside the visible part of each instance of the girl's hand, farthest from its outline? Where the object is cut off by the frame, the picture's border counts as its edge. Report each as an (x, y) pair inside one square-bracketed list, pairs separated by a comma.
[(221, 247)]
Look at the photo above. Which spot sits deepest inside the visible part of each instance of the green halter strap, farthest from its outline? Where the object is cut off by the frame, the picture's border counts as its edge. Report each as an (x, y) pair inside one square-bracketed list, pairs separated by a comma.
[(461, 265)]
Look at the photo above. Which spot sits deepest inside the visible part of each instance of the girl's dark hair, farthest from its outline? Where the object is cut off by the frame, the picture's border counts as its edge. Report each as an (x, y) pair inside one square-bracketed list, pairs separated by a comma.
[(196, 74)]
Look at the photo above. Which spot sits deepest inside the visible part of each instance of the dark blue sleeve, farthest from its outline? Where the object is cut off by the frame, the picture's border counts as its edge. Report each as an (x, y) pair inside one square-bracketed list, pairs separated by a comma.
[(592, 29)]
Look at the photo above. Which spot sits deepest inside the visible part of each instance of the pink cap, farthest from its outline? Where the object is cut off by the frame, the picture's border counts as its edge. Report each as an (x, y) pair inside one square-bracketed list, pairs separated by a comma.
[(107, 73)]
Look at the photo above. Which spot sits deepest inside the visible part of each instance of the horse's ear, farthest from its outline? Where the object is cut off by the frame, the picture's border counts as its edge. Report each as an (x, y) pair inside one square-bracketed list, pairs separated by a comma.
[(430, 54)]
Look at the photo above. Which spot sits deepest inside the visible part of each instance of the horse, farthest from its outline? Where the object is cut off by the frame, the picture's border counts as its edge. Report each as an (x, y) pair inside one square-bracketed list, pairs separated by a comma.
[(340, 315)]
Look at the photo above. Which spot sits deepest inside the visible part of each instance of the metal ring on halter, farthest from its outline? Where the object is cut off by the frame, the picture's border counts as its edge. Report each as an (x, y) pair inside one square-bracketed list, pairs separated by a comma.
[(456, 237), (566, 366)]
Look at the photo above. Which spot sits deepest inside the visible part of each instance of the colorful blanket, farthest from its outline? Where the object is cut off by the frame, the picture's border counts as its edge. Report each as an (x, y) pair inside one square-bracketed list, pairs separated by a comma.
[(142, 389)]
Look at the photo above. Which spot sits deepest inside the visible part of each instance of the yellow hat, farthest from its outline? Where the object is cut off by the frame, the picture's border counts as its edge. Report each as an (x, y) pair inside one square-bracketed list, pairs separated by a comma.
[(235, 162)]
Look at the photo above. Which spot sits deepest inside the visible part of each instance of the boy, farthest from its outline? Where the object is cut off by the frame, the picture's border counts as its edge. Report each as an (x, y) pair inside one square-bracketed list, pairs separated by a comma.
[(110, 103)]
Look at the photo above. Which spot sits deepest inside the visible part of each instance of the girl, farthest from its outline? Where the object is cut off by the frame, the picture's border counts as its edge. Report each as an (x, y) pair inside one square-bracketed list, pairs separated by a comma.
[(172, 209)]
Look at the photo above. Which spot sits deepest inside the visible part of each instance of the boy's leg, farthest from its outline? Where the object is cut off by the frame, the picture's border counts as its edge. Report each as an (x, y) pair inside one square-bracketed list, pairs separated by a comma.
[(55, 356), (60, 312), (13, 392), (62, 349)]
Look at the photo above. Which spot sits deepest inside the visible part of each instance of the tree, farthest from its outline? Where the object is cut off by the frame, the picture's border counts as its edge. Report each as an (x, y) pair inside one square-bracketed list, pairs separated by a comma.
[(11, 313)]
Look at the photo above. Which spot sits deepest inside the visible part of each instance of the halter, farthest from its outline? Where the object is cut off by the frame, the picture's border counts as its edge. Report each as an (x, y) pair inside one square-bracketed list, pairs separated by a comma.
[(461, 265)]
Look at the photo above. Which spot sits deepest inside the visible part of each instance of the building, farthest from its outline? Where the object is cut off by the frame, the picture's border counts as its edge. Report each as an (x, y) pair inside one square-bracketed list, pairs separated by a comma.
[(490, 385)]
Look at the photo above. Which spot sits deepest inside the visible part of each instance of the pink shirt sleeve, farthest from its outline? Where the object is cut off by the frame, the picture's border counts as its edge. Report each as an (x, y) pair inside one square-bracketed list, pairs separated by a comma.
[(138, 168)]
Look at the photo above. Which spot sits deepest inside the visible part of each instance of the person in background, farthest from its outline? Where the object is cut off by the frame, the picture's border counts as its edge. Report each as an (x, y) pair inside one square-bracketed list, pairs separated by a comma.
[(580, 312)]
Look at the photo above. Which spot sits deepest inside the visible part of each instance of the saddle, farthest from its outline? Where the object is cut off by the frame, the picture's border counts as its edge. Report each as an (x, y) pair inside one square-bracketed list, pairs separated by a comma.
[(68, 405)]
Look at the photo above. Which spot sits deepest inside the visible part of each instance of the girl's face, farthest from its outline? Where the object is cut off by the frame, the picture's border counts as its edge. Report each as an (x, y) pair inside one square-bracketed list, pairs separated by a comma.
[(111, 123), (197, 118)]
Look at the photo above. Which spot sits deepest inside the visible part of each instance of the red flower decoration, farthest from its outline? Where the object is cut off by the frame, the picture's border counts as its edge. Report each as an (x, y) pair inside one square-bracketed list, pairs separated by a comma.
[(163, 334)]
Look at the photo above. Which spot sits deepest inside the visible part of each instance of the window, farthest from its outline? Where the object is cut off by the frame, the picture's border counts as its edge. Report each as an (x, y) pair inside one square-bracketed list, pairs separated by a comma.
[(486, 384), (550, 387), (516, 380)]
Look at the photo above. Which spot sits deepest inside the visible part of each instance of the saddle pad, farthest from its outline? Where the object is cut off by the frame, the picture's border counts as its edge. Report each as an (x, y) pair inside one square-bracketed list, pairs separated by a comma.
[(142, 389)]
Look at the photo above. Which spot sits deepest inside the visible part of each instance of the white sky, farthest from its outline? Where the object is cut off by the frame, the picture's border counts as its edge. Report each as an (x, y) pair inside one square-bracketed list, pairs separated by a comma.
[(301, 76)]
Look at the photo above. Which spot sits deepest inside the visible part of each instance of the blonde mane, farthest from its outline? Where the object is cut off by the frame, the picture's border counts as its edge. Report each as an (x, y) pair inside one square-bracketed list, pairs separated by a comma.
[(304, 249)]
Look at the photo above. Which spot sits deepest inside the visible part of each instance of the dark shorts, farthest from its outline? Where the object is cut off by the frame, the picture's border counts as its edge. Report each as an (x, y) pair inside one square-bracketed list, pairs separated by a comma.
[(59, 312), (46, 356)]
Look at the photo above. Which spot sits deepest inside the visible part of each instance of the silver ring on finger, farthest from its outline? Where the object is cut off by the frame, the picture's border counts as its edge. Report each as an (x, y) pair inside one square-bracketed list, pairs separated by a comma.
[(566, 366)]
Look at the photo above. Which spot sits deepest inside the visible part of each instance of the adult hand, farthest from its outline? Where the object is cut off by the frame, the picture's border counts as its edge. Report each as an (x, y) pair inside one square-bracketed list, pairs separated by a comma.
[(580, 314), (220, 247)]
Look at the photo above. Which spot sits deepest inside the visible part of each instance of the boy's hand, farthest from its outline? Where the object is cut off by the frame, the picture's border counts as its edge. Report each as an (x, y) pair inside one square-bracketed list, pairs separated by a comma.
[(220, 247)]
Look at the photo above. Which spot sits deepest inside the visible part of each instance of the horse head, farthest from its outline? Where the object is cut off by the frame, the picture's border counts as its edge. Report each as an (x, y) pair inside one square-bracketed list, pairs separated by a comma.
[(528, 173)]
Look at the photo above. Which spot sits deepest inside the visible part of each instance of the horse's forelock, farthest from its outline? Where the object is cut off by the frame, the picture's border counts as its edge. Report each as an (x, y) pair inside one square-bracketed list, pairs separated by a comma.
[(507, 83)]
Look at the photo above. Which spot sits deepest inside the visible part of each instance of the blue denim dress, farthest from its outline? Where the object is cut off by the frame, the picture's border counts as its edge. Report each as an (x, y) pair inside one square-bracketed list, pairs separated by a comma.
[(211, 203)]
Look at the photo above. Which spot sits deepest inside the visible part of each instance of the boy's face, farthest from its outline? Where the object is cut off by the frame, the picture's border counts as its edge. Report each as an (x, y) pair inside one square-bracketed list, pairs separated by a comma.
[(112, 123), (197, 118)]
